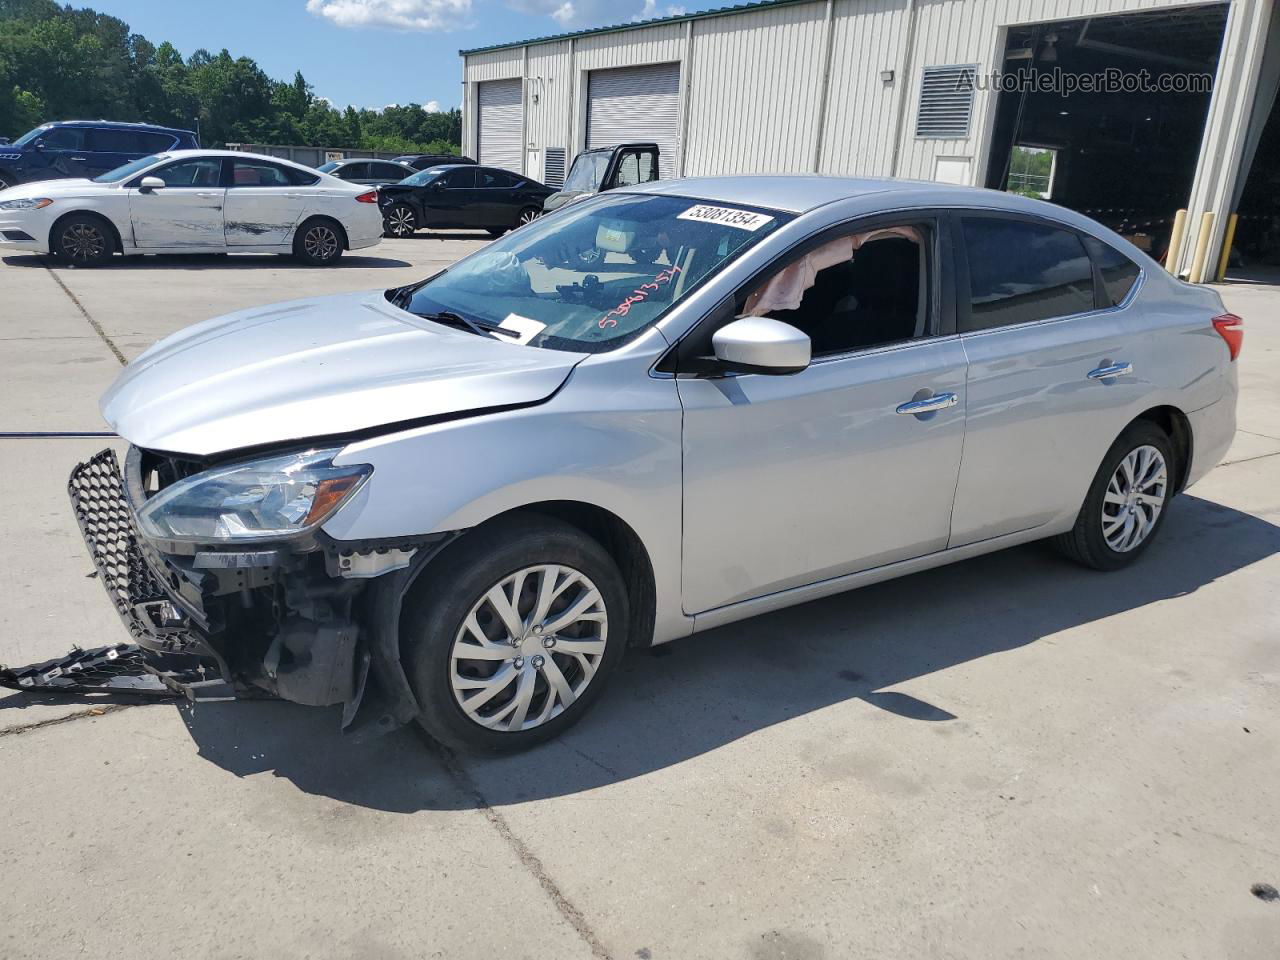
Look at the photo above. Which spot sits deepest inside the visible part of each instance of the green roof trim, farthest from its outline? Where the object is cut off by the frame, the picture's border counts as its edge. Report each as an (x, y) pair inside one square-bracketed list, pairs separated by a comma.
[(619, 27)]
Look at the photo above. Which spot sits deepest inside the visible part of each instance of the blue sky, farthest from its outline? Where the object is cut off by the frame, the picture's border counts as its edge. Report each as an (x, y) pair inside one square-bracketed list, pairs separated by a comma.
[(370, 53)]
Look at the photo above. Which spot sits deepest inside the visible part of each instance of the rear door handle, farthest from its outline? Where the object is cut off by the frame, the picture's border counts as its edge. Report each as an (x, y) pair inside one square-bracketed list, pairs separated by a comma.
[(1110, 370), (939, 401), (80, 159)]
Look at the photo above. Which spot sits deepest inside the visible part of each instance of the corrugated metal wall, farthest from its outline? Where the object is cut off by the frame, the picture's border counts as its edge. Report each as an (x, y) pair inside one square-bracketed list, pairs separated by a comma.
[(752, 83), (766, 70), (869, 37)]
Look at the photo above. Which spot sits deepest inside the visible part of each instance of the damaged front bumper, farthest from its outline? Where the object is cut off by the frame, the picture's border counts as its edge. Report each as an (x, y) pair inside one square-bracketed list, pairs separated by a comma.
[(310, 620)]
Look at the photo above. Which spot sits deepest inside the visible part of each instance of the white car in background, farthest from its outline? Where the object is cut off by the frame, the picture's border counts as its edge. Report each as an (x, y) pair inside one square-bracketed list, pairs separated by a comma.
[(192, 201)]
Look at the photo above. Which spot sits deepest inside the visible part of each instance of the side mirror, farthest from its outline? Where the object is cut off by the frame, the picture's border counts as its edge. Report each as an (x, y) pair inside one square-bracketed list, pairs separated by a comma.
[(39, 144), (150, 183), (761, 345)]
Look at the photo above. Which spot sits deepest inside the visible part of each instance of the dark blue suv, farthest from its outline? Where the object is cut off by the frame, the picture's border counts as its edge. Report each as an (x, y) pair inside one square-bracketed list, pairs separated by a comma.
[(84, 148)]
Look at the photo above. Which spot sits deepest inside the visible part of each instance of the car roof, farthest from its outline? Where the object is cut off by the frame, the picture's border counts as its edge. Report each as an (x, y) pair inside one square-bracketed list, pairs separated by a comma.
[(116, 125), (242, 155), (800, 193)]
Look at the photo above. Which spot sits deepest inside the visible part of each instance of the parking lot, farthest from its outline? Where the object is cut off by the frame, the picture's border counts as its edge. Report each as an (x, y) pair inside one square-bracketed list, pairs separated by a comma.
[(1010, 757)]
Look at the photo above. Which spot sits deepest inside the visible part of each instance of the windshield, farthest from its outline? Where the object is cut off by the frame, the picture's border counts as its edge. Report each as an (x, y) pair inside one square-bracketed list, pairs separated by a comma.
[(587, 172), (328, 167), (29, 136), (595, 275), (129, 169)]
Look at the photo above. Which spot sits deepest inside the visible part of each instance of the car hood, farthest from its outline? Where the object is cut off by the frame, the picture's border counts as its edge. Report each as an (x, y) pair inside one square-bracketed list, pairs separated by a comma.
[(319, 367), (53, 188)]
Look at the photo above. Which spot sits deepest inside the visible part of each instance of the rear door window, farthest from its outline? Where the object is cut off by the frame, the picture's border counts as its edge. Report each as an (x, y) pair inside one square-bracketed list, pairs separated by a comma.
[(387, 171), (1022, 271), (352, 171), (118, 141), (490, 177), (259, 173), (1118, 272)]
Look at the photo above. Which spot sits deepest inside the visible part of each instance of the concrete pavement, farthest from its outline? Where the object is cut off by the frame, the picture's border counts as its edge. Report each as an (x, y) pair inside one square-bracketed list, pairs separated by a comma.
[(1011, 757)]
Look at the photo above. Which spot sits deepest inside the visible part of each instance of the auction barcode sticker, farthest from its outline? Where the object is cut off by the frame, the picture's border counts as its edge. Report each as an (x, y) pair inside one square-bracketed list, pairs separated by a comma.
[(729, 217)]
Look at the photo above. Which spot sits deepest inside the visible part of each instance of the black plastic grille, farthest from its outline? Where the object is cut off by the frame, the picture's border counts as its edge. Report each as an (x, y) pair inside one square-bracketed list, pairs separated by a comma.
[(97, 495)]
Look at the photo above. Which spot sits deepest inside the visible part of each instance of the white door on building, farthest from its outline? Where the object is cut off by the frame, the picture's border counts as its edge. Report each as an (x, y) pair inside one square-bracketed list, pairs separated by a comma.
[(636, 104), (501, 140)]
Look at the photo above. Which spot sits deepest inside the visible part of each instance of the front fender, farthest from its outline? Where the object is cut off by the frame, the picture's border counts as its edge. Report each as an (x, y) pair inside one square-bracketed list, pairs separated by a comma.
[(614, 447)]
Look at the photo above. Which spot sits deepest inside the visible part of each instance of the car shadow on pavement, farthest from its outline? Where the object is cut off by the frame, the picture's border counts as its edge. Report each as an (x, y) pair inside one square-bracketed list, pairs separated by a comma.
[(686, 698), (208, 261), (457, 235)]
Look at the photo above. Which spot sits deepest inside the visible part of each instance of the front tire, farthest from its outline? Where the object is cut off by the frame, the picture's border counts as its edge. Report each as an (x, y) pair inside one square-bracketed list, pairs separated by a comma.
[(1127, 501), (318, 242), (82, 240), (512, 635)]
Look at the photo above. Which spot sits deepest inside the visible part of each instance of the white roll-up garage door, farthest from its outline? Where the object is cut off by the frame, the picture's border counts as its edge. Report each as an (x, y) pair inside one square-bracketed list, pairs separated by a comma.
[(636, 103), (501, 142)]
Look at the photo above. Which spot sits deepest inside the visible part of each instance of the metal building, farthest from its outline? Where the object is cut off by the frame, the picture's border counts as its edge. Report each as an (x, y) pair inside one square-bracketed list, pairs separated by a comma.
[(911, 88)]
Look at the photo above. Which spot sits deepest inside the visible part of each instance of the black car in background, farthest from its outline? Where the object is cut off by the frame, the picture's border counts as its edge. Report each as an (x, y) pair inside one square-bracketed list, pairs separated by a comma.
[(420, 161), (84, 148), (461, 197)]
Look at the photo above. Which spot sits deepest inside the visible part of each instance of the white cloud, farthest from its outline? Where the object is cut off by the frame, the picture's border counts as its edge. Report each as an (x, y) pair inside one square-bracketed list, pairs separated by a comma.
[(652, 10), (595, 13), (398, 14), (431, 106)]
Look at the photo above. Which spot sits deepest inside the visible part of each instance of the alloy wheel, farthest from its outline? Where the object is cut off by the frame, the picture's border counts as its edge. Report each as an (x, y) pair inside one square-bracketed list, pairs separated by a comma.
[(320, 242), (400, 221), (1134, 498), (83, 242), (528, 648), (528, 216)]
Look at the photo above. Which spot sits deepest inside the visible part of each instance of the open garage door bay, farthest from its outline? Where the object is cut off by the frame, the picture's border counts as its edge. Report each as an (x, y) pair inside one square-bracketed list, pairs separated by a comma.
[(636, 104), (501, 124)]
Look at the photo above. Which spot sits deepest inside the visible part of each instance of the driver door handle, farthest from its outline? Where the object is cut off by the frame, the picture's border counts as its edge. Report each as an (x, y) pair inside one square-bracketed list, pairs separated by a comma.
[(1121, 369), (939, 401)]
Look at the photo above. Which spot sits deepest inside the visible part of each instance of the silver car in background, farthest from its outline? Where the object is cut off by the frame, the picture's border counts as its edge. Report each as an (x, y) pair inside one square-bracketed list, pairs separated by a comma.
[(460, 501)]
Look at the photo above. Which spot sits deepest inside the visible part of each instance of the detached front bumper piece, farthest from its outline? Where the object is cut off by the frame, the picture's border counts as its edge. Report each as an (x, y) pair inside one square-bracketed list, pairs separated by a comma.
[(118, 669)]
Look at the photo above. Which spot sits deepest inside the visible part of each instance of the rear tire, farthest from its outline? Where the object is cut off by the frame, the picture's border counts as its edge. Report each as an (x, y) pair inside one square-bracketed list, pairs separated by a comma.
[(1127, 501), (528, 215), (399, 220), (555, 684), (318, 242), (82, 240)]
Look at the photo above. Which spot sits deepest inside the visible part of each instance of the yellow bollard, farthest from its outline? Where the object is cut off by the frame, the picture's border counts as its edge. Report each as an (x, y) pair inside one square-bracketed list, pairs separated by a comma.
[(1175, 241), (1202, 249), (1227, 240)]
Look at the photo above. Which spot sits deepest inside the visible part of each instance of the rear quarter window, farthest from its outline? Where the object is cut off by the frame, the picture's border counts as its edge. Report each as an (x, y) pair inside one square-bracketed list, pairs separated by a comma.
[(1119, 273)]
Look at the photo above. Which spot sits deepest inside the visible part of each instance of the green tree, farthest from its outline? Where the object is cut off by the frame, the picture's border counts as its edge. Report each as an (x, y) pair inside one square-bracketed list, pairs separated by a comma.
[(59, 63)]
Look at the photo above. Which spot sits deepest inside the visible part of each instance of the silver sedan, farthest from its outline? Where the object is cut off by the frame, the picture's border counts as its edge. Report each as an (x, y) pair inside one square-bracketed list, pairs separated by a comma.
[(661, 410)]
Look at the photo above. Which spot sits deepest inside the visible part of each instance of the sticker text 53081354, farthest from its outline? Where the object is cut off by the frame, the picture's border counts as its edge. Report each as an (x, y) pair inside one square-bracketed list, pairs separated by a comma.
[(726, 216)]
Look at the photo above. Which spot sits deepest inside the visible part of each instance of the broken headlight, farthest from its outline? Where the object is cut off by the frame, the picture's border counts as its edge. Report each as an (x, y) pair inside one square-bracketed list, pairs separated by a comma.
[(274, 497)]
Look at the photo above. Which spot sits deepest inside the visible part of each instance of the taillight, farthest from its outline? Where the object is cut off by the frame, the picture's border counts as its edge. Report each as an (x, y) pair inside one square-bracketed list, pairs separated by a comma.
[(370, 197), (1231, 329)]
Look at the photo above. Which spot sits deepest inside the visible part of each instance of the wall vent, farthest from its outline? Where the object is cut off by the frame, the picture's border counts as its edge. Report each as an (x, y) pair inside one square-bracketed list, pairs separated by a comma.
[(553, 167), (946, 101)]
